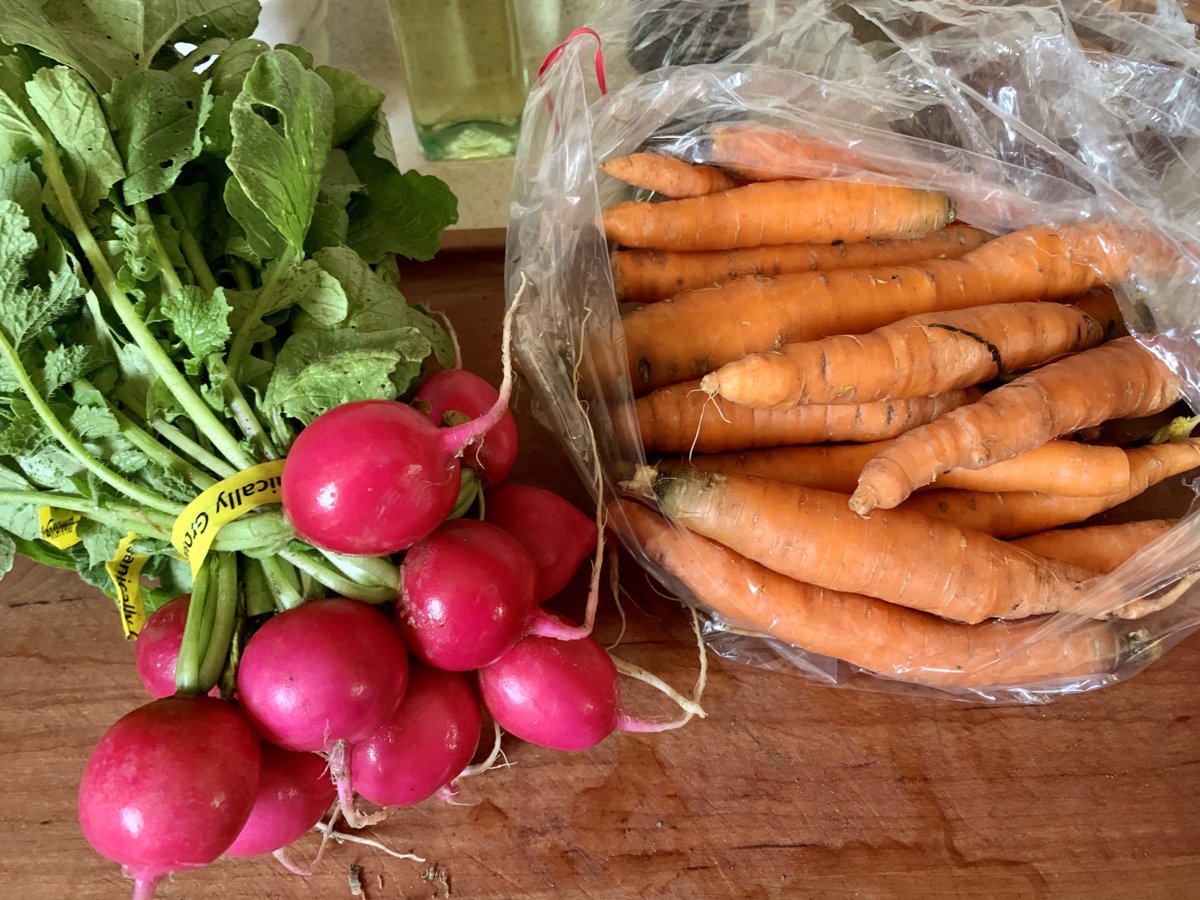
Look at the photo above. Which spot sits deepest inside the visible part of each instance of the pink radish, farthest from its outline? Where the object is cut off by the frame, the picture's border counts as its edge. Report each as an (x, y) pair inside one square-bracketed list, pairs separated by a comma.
[(322, 672), (156, 650), (452, 395), (371, 478), (169, 786), (294, 791), (321, 676), (565, 695), (466, 595), (427, 742), (557, 535)]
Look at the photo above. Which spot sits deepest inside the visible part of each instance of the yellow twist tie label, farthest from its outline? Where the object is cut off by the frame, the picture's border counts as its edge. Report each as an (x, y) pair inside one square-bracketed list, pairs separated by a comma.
[(197, 526), (59, 527), (125, 570)]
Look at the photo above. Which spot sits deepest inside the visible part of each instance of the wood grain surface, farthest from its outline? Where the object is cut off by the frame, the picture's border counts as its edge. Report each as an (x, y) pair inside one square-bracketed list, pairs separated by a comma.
[(787, 789)]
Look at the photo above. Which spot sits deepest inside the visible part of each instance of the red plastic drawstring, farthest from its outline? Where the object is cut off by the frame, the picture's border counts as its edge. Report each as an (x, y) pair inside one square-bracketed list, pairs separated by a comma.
[(557, 52)]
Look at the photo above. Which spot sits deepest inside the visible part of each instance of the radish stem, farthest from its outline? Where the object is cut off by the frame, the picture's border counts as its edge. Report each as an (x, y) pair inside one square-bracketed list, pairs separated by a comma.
[(175, 382), (335, 581), (191, 651), (189, 245), (224, 617), (262, 303), (241, 410), (122, 518), (71, 443)]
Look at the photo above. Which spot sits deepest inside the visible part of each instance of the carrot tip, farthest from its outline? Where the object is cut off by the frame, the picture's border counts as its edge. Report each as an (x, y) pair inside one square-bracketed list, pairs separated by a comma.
[(863, 500)]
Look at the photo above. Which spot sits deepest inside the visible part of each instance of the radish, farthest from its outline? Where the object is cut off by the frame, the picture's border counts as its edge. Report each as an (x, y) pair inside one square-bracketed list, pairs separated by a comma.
[(557, 535), (294, 790), (466, 595), (322, 672), (156, 650), (427, 742), (169, 786), (452, 395), (321, 676), (565, 695), (373, 477)]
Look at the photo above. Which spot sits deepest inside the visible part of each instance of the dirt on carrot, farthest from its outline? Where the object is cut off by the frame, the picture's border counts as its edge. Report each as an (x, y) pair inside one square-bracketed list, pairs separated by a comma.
[(764, 152), (1018, 513), (1117, 380), (646, 276), (900, 556), (698, 331), (913, 357), (684, 418), (1099, 548), (779, 212), (882, 638), (1068, 468), (666, 175)]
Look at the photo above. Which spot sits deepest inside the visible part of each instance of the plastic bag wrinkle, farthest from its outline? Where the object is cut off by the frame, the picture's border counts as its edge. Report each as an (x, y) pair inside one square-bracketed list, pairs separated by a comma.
[(1027, 113)]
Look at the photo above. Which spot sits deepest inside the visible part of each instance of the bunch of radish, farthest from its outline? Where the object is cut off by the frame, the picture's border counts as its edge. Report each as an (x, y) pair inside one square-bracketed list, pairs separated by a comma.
[(338, 700)]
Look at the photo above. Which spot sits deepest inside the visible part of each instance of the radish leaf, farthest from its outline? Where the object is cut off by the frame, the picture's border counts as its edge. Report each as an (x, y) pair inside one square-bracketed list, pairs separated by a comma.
[(156, 119), (282, 128)]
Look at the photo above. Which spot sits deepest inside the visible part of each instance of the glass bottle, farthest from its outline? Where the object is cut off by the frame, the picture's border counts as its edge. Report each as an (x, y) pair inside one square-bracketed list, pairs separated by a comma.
[(465, 77)]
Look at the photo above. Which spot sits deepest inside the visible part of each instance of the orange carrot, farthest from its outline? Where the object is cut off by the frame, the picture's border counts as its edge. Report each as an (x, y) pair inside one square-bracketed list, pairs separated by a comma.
[(645, 276), (779, 212), (1069, 468), (1009, 515), (1117, 380), (876, 636), (764, 152), (913, 357), (1099, 548), (668, 176), (697, 331), (899, 556), (682, 418)]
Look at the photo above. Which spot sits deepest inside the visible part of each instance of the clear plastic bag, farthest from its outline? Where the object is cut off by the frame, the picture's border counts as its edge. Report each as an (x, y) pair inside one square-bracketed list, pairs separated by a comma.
[(1002, 106)]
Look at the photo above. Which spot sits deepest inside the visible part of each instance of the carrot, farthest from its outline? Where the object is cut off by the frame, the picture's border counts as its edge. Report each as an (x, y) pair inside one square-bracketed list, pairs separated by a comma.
[(1063, 467), (682, 418), (876, 636), (698, 331), (645, 276), (668, 176), (899, 556), (1009, 515), (1117, 380), (1099, 548), (914, 357), (764, 152), (779, 212)]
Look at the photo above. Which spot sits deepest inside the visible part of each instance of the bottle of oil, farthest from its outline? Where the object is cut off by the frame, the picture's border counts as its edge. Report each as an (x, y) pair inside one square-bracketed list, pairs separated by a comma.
[(465, 76)]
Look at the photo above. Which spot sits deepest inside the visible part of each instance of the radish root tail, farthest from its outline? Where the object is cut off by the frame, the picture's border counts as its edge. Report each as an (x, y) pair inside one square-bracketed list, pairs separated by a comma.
[(339, 770), (459, 437), (690, 706)]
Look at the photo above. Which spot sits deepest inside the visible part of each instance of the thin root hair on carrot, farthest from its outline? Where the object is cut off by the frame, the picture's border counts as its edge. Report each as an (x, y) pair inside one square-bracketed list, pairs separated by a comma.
[(711, 398)]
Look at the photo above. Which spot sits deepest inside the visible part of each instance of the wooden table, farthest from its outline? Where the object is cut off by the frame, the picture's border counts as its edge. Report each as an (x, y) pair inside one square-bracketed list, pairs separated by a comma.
[(787, 789)]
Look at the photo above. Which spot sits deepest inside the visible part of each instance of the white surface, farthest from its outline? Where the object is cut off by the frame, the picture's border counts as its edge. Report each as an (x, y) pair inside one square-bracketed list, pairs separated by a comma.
[(360, 39)]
